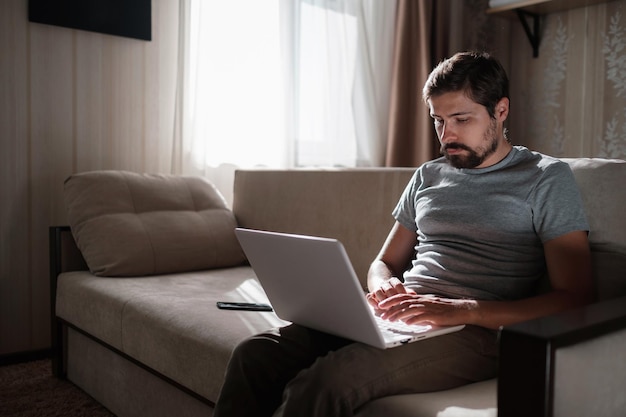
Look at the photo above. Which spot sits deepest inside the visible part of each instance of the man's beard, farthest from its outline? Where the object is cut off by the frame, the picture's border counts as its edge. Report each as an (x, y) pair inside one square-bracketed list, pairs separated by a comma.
[(474, 157)]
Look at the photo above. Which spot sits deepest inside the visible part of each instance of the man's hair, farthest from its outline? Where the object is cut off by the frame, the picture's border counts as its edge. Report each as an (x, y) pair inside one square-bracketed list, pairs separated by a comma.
[(480, 76)]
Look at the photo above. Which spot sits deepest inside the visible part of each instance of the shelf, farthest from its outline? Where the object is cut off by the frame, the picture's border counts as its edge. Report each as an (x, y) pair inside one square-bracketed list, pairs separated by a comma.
[(541, 7), (530, 11)]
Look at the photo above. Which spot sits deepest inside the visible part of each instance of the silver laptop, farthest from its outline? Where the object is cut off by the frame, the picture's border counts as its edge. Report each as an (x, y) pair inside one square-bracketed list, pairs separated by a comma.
[(311, 282)]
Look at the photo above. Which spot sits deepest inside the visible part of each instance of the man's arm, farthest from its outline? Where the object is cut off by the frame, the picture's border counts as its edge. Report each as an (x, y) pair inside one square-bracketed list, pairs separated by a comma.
[(568, 260), (391, 262)]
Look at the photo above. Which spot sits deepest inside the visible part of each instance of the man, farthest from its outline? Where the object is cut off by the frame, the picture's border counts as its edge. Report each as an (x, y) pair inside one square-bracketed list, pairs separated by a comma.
[(478, 227)]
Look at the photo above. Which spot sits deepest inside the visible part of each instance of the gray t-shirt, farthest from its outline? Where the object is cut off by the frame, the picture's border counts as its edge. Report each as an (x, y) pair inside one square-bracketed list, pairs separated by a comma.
[(481, 231)]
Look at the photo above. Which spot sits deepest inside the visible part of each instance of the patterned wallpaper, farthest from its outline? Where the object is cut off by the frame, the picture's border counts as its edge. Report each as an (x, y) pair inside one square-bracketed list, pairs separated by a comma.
[(571, 100), (613, 142)]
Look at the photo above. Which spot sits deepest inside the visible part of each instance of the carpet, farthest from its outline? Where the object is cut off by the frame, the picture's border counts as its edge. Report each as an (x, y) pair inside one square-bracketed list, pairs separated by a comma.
[(30, 390)]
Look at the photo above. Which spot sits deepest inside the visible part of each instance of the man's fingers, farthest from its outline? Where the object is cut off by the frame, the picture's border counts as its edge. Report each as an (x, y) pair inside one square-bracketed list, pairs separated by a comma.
[(371, 299), (395, 300), (390, 288), (404, 311)]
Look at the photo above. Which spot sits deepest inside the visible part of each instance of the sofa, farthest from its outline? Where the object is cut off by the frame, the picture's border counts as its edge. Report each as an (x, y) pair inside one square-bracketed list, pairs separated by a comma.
[(137, 272)]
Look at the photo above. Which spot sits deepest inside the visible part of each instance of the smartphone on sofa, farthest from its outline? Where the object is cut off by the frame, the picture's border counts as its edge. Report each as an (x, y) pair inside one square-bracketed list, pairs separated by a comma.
[(231, 305)]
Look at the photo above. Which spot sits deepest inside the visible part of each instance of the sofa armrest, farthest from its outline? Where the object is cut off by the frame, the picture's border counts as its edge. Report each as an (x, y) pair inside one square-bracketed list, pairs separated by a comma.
[(64, 256), (531, 359)]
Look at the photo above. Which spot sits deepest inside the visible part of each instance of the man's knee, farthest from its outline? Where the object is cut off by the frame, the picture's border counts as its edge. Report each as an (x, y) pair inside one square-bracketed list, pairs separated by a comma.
[(256, 351)]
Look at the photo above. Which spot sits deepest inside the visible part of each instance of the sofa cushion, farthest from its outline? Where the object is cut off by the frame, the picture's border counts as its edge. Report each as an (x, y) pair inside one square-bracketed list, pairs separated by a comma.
[(353, 205), (169, 322), (478, 399), (129, 224)]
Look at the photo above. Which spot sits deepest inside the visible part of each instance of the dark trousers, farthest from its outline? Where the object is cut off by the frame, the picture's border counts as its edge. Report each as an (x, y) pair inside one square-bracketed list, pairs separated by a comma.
[(295, 371)]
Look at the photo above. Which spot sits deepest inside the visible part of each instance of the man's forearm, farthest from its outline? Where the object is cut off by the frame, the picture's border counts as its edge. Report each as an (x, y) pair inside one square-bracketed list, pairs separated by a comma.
[(441, 311), (493, 314), (378, 273)]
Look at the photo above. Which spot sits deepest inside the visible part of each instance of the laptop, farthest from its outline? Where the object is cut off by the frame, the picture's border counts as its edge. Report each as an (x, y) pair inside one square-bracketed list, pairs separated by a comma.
[(311, 282)]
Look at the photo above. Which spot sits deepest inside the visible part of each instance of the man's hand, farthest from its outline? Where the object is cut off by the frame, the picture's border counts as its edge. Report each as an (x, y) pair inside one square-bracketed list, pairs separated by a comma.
[(387, 289), (393, 302), (412, 308)]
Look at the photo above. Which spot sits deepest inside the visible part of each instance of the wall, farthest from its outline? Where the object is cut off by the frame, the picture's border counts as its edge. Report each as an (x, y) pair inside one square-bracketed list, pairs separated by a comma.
[(571, 100), (70, 101)]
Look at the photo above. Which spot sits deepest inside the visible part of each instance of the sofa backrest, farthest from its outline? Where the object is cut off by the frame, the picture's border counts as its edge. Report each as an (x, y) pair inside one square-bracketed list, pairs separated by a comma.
[(602, 183), (339, 202), (352, 205)]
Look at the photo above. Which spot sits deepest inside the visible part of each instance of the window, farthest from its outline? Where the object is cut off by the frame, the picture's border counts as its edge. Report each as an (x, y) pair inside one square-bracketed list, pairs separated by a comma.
[(287, 83)]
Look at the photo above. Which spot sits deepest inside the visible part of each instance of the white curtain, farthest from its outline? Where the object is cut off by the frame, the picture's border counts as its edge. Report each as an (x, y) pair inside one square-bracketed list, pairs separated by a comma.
[(341, 64), (282, 83)]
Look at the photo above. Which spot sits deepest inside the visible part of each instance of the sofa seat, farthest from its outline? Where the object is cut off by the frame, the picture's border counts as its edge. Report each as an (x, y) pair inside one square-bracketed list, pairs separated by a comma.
[(163, 321), (474, 400), (128, 314)]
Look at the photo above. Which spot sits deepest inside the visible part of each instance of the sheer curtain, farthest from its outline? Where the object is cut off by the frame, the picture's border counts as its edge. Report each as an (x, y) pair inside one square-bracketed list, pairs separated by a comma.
[(340, 61), (282, 83), (230, 106)]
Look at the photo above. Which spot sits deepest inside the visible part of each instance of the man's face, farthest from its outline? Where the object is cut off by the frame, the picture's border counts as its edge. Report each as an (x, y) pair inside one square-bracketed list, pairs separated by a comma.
[(469, 137)]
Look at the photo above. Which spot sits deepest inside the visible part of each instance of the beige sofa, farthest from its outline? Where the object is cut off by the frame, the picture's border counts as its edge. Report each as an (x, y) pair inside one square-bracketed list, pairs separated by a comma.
[(139, 330)]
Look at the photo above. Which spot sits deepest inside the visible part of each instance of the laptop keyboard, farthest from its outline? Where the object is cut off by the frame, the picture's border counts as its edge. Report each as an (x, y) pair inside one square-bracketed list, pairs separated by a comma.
[(400, 327)]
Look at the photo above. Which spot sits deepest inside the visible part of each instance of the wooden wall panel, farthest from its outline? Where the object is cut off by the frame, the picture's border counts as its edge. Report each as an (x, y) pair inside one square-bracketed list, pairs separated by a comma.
[(70, 101), (15, 259)]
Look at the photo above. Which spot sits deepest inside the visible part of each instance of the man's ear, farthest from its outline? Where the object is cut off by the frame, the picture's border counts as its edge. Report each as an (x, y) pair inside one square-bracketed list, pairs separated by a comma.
[(502, 109)]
